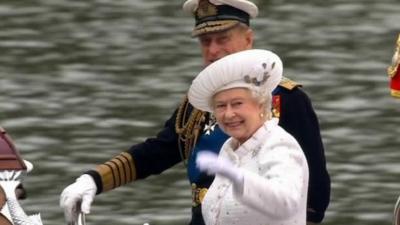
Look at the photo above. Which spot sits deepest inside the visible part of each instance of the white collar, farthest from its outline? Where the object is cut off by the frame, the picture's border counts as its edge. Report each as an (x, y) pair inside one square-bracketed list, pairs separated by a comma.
[(254, 143)]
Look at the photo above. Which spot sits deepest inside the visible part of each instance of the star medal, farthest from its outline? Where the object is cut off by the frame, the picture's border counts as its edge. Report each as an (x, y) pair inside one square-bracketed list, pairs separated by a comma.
[(208, 128)]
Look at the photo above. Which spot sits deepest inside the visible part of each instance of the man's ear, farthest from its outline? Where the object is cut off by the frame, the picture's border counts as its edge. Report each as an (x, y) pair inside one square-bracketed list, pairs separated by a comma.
[(249, 38)]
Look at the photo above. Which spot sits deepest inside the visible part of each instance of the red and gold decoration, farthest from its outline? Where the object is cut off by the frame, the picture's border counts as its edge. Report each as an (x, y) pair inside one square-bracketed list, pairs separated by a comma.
[(276, 106), (394, 71)]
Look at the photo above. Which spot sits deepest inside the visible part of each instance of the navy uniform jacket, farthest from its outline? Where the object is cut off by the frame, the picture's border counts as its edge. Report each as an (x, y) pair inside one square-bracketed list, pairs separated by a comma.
[(190, 130)]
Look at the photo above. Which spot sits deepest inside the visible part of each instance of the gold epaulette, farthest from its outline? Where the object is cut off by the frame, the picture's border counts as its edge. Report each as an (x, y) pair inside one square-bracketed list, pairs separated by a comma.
[(288, 83)]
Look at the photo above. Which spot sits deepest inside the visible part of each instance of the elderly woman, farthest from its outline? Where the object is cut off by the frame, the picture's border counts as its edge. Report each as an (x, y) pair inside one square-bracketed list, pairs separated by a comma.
[(261, 172)]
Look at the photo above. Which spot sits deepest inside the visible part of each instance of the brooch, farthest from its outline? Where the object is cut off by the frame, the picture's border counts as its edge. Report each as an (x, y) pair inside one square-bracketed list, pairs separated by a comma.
[(208, 128)]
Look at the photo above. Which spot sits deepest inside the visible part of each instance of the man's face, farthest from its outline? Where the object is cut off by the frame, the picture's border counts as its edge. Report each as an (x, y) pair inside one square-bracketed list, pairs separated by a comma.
[(219, 44)]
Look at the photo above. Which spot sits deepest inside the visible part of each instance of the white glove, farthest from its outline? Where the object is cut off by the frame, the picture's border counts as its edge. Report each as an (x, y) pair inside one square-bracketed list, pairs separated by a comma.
[(210, 163), (78, 197), (29, 166)]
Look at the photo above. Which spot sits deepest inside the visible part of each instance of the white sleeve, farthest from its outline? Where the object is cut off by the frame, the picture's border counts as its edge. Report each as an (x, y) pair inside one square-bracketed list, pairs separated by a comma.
[(280, 184)]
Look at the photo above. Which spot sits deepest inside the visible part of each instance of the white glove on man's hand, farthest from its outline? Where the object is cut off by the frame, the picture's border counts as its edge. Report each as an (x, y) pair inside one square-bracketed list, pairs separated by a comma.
[(78, 197), (210, 163)]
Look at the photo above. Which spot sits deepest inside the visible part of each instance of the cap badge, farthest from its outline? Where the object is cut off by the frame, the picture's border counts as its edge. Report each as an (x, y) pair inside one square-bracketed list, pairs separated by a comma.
[(206, 9), (261, 77)]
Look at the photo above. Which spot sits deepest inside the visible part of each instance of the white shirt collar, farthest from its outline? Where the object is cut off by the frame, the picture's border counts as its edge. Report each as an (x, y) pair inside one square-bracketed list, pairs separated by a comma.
[(254, 142)]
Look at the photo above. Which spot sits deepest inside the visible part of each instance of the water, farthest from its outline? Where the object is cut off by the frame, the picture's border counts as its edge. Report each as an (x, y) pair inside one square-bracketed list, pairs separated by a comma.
[(83, 80)]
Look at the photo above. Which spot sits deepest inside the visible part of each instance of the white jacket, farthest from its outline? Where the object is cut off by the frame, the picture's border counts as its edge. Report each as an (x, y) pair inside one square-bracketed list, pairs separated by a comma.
[(275, 182)]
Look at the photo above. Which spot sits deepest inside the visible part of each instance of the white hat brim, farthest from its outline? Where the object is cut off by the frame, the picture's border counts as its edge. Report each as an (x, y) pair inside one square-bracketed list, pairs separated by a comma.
[(190, 6)]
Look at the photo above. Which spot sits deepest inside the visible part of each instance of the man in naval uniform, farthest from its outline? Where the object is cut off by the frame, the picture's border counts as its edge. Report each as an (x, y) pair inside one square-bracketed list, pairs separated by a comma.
[(222, 27)]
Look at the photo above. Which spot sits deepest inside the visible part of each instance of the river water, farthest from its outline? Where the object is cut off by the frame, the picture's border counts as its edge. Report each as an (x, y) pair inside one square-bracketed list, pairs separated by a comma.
[(81, 81)]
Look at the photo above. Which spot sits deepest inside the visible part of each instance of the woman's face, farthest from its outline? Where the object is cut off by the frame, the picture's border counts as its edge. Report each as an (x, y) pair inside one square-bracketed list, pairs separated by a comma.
[(238, 113)]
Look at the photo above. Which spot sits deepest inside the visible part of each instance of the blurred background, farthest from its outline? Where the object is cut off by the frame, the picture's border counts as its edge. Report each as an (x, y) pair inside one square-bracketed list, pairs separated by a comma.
[(81, 81)]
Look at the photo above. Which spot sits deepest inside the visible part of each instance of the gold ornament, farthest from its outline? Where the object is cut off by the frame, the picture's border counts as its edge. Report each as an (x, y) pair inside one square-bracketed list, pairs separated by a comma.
[(206, 9)]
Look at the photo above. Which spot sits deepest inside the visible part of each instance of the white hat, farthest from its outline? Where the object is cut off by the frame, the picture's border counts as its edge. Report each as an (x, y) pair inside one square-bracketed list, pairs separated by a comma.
[(219, 15), (256, 69)]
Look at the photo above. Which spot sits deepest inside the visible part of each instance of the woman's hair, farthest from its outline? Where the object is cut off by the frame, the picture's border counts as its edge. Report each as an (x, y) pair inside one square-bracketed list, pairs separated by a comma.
[(264, 99)]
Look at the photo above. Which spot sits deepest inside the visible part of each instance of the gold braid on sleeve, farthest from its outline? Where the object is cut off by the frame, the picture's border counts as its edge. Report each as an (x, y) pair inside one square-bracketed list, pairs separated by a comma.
[(188, 127), (117, 171)]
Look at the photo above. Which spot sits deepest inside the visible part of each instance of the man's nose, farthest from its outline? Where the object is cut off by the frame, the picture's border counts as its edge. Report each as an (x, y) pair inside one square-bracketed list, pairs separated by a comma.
[(214, 50)]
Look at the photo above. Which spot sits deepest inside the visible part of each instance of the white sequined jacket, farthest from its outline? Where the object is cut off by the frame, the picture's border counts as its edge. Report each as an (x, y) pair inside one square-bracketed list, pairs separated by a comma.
[(275, 182)]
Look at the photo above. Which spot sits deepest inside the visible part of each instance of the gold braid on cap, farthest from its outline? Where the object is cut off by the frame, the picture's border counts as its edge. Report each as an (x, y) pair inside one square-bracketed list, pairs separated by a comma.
[(205, 9), (188, 127)]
